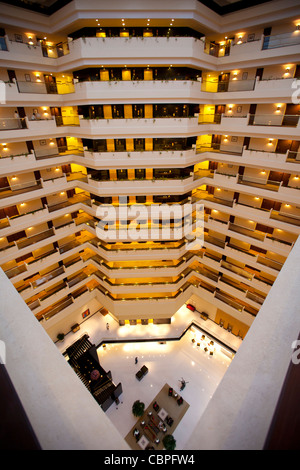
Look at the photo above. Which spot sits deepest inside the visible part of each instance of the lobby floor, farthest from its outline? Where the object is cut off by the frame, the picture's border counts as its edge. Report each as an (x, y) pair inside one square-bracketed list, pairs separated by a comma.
[(167, 363)]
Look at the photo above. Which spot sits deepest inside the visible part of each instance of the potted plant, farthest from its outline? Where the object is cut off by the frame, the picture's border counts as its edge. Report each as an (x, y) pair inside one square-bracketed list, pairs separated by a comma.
[(138, 408), (169, 442), (60, 336)]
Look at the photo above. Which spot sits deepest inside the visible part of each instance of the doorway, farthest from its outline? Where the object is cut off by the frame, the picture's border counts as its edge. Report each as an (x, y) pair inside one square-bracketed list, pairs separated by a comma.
[(50, 83), (223, 82)]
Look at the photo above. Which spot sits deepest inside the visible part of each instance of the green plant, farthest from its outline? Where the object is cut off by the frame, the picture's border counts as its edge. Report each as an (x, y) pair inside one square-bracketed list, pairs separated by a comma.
[(138, 408), (169, 442), (60, 336)]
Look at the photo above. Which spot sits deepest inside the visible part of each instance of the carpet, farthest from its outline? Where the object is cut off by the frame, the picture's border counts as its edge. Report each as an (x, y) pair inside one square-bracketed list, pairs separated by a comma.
[(175, 411)]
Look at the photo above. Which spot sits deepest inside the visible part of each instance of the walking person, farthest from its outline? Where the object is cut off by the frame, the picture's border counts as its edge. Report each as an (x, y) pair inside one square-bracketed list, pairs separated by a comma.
[(107, 326), (136, 360)]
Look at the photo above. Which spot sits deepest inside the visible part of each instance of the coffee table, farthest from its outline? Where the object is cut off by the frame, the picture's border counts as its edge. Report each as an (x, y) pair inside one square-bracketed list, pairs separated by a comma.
[(143, 442), (162, 414)]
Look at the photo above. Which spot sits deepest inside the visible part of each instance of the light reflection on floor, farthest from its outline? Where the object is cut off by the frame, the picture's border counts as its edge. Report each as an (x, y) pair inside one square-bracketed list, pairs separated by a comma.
[(167, 363)]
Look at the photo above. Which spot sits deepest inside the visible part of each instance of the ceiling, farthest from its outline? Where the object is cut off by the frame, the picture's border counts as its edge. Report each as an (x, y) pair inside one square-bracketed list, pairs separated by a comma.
[(222, 7)]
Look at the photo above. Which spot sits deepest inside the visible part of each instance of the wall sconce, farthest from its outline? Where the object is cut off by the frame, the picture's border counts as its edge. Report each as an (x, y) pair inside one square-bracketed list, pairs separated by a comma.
[(230, 106), (270, 142), (287, 205), (296, 177), (62, 193), (30, 41), (14, 178), (298, 27), (4, 147), (263, 172), (240, 40), (287, 70), (225, 138), (278, 108)]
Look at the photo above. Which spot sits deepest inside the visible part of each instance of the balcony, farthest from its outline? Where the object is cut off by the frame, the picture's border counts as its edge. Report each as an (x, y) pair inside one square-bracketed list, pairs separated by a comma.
[(141, 187), (129, 91), (284, 46), (133, 50), (134, 128), (137, 159), (24, 53), (281, 40), (249, 156), (16, 189), (278, 126)]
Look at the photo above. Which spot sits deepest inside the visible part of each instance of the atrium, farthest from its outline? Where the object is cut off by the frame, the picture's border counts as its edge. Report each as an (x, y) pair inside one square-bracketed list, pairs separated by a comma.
[(149, 209)]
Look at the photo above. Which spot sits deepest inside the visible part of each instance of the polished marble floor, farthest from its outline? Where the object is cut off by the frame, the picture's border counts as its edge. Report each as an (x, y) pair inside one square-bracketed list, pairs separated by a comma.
[(167, 363)]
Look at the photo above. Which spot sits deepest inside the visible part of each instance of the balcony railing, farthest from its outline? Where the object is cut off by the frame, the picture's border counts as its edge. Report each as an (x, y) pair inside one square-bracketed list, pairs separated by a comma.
[(35, 239), (48, 277), (288, 120), (294, 156), (281, 40), (20, 188), (215, 86), (10, 273), (7, 124), (269, 184)]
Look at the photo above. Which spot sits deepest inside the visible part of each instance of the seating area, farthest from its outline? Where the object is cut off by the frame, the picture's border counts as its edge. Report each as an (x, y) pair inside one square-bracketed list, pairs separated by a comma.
[(173, 394), (206, 344), (141, 373), (160, 418)]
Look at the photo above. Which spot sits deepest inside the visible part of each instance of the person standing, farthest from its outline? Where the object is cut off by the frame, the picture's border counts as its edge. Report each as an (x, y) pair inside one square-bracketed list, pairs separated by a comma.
[(136, 360), (107, 326)]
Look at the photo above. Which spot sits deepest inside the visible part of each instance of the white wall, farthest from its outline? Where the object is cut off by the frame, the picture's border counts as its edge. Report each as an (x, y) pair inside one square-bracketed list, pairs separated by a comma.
[(52, 395), (239, 414)]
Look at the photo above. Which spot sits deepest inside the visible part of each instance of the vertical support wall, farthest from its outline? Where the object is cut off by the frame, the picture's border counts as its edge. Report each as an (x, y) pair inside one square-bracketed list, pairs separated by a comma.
[(240, 412), (62, 412)]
